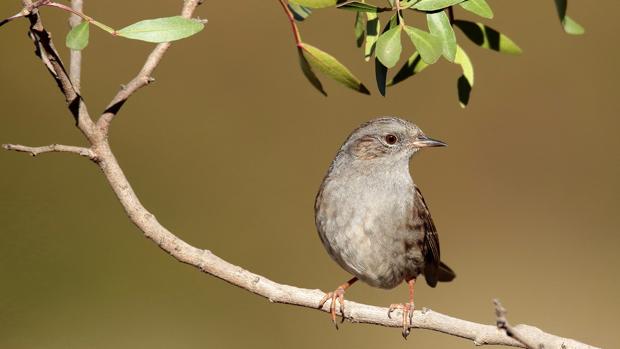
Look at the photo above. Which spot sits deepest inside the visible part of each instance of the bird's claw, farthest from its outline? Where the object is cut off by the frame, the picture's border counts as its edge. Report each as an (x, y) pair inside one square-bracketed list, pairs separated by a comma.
[(337, 295), (407, 310)]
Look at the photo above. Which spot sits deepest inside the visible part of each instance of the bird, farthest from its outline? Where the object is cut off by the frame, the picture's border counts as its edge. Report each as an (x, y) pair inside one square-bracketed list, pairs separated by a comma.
[(372, 218)]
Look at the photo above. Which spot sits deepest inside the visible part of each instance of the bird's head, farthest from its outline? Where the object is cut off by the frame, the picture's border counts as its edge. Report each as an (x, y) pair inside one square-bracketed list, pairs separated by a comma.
[(387, 138)]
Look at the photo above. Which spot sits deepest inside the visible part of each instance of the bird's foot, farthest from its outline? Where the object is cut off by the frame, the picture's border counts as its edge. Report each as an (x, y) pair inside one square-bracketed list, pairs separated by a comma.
[(407, 310), (337, 295)]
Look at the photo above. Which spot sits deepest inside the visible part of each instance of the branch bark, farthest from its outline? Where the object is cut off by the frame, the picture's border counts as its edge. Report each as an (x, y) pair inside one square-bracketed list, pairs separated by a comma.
[(530, 341), (205, 260), (34, 151), (75, 63)]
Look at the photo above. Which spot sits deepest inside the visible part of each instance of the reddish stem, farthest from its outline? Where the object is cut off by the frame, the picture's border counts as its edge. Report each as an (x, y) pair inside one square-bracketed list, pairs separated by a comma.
[(68, 9), (291, 19)]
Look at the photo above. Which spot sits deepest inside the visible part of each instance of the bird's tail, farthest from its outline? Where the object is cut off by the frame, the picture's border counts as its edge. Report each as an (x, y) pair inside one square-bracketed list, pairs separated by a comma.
[(444, 273), (434, 273)]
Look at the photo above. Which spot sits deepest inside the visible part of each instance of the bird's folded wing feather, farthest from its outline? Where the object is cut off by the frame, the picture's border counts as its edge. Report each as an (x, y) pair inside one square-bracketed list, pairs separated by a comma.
[(431, 239)]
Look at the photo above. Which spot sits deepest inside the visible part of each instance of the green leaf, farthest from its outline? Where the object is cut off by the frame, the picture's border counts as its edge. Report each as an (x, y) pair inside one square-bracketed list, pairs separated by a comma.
[(372, 34), (440, 27), (572, 27), (427, 45), (299, 12), (407, 4), (434, 5), (569, 24), (332, 68), (77, 38), (466, 81), (488, 37), (394, 21), (315, 3), (359, 28), (413, 66), (360, 7), (389, 47), (309, 73), (380, 76), (561, 6), (479, 7), (162, 29), (380, 69)]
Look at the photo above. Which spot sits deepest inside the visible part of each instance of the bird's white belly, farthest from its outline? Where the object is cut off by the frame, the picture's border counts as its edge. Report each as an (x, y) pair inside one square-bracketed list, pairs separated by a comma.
[(372, 241)]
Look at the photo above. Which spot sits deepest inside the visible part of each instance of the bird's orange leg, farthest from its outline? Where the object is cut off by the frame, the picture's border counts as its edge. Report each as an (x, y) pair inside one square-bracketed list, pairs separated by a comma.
[(338, 294), (406, 308)]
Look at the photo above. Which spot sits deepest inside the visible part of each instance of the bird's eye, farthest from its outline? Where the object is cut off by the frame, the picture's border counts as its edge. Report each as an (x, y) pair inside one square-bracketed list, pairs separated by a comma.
[(391, 139)]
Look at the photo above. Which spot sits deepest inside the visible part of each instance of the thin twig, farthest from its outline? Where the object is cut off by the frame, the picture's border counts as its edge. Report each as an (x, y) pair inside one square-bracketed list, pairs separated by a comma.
[(81, 15), (34, 151), (29, 6), (399, 14), (502, 324), (44, 48), (144, 76), (71, 9), (75, 63), (291, 19), (22, 13)]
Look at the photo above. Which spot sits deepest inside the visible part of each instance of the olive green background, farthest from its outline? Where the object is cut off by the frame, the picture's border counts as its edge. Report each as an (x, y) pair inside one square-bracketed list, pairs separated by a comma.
[(229, 146)]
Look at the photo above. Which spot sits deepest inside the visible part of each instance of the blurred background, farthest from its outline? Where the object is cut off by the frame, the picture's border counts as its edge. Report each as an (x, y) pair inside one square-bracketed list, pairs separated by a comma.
[(230, 144)]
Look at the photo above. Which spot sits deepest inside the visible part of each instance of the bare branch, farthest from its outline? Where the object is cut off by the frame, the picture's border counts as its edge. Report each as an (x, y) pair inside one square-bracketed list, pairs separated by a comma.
[(211, 264), (529, 337), (279, 293), (34, 151), (24, 12), (144, 76), (502, 324), (75, 63)]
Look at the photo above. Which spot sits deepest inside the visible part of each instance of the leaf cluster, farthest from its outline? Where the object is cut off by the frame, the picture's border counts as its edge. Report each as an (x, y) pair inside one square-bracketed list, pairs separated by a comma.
[(432, 42), (384, 43)]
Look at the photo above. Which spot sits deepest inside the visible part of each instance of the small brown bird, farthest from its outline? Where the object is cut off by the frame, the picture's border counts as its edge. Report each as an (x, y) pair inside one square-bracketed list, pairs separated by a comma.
[(372, 218)]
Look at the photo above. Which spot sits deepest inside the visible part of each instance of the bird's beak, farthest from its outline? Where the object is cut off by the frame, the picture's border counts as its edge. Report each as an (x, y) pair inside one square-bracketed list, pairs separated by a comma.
[(423, 142)]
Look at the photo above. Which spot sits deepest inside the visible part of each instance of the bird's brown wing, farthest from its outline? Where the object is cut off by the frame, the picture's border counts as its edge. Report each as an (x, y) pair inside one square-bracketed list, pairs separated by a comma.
[(431, 252), (434, 269)]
